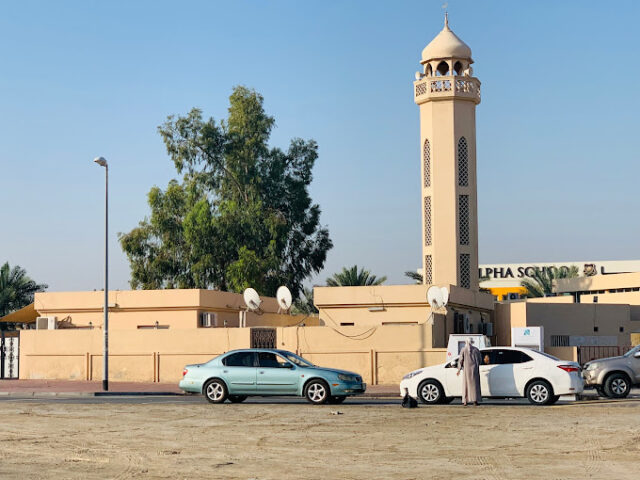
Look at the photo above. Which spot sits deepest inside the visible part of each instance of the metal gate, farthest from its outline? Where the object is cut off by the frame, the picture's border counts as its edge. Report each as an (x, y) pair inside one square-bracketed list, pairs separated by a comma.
[(593, 352), (9, 355), (263, 338)]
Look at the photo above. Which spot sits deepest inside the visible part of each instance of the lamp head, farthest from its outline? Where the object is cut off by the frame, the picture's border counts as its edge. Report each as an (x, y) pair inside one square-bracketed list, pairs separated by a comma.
[(101, 161)]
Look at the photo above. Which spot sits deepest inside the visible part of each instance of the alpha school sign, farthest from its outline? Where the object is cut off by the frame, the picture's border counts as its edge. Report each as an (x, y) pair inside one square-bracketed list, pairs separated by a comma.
[(505, 275)]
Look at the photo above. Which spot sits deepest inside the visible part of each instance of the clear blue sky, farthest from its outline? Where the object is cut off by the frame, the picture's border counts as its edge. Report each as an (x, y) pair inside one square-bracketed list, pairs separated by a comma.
[(557, 127)]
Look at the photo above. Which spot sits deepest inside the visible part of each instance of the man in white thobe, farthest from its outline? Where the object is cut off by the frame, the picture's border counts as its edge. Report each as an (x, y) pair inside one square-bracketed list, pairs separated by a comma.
[(469, 361)]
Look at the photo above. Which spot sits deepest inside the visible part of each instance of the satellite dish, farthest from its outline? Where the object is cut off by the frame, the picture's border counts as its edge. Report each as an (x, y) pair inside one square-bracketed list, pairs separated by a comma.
[(252, 299), (284, 298), (438, 297)]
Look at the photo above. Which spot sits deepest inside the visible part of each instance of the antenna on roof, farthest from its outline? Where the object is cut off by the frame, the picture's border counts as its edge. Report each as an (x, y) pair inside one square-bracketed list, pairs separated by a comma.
[(283, 295)]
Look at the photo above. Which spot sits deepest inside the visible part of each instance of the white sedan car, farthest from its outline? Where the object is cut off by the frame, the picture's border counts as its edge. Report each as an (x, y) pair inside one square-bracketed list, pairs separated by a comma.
[(506, 372)]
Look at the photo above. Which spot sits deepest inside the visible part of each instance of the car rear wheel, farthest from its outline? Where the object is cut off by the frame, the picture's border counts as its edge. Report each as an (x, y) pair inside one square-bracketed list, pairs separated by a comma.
[(237, 398), (336, 399), (430, 392), (540, 393), (215, 391), (317, 392), (617, 385)]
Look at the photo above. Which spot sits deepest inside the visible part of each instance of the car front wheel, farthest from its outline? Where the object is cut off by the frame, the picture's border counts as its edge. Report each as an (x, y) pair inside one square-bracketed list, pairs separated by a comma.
[(317, 392), (540, 393), (215, 391), (617, 386), (430, 392)]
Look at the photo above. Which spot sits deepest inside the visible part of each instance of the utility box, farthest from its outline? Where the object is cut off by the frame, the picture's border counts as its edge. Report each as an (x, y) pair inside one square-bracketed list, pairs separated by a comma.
[(46, 323), (457, 341), (528, 337)]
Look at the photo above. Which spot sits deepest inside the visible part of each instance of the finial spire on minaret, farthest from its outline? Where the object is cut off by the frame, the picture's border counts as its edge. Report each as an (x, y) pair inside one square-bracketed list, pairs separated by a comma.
[(446, 20)]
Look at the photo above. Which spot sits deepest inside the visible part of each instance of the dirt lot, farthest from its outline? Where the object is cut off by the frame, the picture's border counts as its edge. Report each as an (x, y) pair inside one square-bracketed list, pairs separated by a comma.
[(299, 441)]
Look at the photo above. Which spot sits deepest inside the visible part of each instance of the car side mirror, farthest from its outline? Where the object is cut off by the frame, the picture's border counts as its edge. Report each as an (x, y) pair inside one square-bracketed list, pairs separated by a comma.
[(637, 354), (288, 365)]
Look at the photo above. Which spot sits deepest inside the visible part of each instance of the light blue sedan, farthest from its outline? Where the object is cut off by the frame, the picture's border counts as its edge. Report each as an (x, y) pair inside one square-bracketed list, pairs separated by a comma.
[(238, 374)]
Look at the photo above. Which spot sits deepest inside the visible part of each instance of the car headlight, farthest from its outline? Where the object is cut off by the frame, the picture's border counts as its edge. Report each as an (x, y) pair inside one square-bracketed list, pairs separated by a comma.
[(590, 366), (411, 375), (347, 378)]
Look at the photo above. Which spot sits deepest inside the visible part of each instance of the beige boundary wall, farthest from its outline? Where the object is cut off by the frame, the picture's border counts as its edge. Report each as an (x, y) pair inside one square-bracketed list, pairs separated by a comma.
[(382, 355)]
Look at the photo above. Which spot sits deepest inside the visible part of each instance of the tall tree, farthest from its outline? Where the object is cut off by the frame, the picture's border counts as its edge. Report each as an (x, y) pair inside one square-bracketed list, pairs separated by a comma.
[(540, 284), (242, 215), (16, 289), (304, 304), (351, 277)]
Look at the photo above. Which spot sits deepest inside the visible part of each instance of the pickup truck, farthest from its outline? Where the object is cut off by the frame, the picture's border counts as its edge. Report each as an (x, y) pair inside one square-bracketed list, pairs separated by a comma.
[(613, 377)]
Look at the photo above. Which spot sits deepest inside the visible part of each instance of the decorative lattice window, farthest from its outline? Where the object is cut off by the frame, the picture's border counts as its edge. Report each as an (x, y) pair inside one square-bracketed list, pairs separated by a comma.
[(426, 154), (463, 219), (421, 89), (428, 270), (463, 163), (427, 221), (465, 270)]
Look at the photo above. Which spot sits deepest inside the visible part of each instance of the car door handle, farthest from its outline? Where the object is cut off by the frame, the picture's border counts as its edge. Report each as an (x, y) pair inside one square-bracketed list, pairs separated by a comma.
[(261, 371)]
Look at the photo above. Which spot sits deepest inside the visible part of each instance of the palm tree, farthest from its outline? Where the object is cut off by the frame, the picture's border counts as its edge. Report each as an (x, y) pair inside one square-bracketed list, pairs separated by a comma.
[(351, 277), (16, 289), (415, 276), (540, 284)]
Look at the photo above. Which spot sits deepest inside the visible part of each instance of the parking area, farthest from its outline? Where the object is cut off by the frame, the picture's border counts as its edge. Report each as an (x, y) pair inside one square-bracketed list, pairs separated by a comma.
[(185, 437)]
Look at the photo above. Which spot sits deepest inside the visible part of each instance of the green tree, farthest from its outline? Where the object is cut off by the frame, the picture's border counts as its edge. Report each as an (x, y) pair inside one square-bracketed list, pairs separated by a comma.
[(16, 289), (242, 215), (351, 277), (540, 284), (304, 303)]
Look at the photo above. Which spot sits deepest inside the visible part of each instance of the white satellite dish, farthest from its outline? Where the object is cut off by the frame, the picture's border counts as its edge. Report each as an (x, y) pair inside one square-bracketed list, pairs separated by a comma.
[(284, 298), (438, 297), (252, 299)]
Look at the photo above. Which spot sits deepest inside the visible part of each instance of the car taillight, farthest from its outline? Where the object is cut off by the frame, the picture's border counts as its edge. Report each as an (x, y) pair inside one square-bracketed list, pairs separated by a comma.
[(569, 368), (184, 372)]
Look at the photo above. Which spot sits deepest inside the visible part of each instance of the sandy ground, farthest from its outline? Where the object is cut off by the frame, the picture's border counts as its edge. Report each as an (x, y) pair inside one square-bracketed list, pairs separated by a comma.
[(299, 441)]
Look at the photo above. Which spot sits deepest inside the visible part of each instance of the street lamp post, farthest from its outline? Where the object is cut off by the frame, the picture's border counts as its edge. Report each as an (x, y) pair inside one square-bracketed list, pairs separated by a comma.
[(105, 354)]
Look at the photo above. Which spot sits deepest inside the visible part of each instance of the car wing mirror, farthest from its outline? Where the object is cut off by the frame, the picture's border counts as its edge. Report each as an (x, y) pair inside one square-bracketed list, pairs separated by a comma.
[(637, 354), (289, 365)]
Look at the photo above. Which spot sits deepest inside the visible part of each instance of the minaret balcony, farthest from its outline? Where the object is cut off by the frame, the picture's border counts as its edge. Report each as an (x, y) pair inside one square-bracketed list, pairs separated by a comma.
[(446, 87)]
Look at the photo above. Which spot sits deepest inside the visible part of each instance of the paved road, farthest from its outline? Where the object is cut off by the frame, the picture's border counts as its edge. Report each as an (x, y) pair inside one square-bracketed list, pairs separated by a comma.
[(199, 399)]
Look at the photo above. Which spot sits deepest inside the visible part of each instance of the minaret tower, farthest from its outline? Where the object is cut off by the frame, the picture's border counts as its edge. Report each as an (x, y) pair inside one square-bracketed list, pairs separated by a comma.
[(447, 95)]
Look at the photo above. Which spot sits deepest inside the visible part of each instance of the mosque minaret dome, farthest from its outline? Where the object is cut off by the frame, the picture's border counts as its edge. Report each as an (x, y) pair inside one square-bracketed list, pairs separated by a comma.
[(446, 45)]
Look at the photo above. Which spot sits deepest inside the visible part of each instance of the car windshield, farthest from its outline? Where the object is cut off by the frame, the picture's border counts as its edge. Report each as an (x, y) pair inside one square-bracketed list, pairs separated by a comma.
[(632, 351), (296, 360)]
